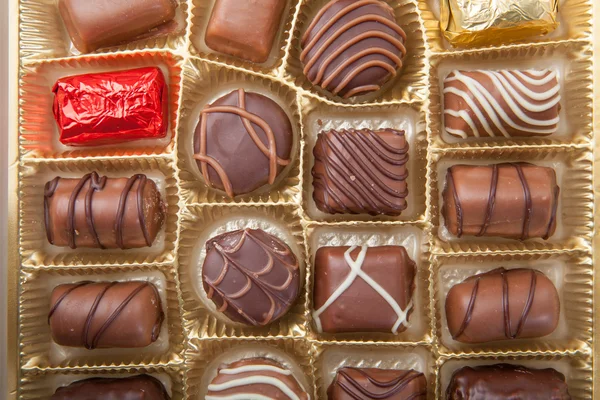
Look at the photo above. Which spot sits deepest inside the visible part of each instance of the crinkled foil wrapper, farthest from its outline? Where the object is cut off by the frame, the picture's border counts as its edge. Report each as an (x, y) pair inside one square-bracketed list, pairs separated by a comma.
[(197, 337)]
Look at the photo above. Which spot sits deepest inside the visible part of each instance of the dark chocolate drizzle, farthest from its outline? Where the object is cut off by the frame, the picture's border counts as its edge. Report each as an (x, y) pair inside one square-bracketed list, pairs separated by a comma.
[(491, 201), (357, 391), (528, 201), (553, 215), (49, 190), (459, 210), (120, 219)]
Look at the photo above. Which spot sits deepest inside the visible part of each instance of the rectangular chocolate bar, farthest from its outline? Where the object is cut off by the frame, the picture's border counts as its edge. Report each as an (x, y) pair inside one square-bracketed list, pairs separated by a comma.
[(374, 383), (141, 387)]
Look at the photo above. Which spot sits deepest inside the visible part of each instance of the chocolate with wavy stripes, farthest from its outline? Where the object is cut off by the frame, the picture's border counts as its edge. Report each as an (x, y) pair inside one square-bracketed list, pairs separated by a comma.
[(373, 383), (251, 276), (243, 141), (512, 200), (102, 212), (352, 47), (105, 314), (361, 172)]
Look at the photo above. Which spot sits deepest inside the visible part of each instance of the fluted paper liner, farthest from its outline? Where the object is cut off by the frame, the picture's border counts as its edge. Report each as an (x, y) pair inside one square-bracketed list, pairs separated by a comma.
[(44, 34), (39, 134), (574, 224), (571, 274), (203, 83), (329, 358), (34, 247), (571, 61), (38, 348), (201, 223), (205, 356), (408, 85), (319, 117)]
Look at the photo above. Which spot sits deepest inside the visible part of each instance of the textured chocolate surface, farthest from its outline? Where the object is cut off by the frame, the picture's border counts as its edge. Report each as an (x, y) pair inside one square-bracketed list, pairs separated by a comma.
[(141, 387), (502, 304), (251, 276), (352, 47), (502, 103), (103, 212), (362, 289), (244, 29), (374, 383), (100, 23), (105, 314), (507, 381), (255, 378), (511, 200), (242, 142), (361, 172)]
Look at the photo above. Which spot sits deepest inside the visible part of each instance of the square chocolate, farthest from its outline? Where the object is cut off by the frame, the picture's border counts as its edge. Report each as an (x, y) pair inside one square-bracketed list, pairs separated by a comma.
[(362, 289), (374, 383)]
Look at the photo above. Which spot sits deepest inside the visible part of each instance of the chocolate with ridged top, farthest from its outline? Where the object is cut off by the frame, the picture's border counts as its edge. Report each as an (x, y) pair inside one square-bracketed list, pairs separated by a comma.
[(105, 314), (361, 172), (140, 387), (375, 383), (502, 304), (511, 200), (507, 381), (251, 276), (103, 212), (353, 47)]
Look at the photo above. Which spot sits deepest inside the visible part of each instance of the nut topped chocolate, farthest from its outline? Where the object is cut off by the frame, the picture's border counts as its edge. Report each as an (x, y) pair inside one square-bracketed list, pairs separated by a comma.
[(374, 383), (251, 276), (140, 387)]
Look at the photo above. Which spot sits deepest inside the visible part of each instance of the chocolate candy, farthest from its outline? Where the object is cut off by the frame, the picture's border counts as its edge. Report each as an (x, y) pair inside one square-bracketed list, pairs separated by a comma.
[(352, 47), (111, 107), (105, 314), (92, 24), (502, 103), (502, 304), (242, 142), (511, 200), (251, 276), (102, 212), (255, 378), (363, 289), (361, 172), (374, 383), (244, 29), (141, 387), (507, 381)]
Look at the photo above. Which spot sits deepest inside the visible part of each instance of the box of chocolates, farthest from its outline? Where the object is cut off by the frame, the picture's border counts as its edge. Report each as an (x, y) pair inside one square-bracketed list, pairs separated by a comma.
[(305, 199)]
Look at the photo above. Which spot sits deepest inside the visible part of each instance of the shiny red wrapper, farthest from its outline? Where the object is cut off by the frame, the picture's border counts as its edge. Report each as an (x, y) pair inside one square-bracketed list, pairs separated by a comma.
[(111, 107)]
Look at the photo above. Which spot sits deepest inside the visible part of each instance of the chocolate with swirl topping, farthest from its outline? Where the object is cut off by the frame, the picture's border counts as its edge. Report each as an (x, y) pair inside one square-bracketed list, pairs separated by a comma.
[(374, 383), (102, 212), (140, 387)]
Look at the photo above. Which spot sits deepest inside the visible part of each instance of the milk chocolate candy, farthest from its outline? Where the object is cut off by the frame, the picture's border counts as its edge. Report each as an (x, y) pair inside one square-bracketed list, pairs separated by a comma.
[(103, 212), (140, 387), (373, 383), (506, 103), (507, 381), (511, 200), (92, 24), (502, 304), (244, 29), (105, 314), (363, 289)]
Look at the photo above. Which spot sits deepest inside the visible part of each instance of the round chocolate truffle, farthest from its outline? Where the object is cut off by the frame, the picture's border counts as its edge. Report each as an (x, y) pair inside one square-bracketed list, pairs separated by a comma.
[(242, 142), (255, 378), (352, 47), (251, 276)]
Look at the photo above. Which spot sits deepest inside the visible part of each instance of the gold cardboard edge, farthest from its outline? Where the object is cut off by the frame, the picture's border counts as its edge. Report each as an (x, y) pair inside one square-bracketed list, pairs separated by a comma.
[(596, 177)]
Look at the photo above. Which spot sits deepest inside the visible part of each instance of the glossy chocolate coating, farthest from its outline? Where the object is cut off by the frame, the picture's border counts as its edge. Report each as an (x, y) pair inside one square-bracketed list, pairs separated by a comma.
[(100, 23), (251, 276), (507, 381), (502, 304), (255, 377), (353, 47), (374, 383), (362, 306), (140, 387), (242, 142), (103, 212), (361, 172), (511, 200), (105, 314), (244, 29)]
